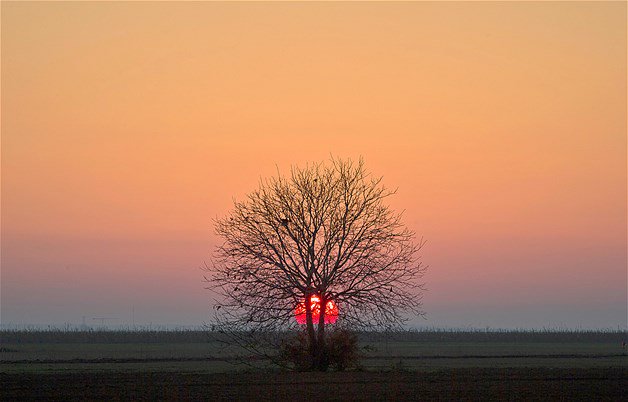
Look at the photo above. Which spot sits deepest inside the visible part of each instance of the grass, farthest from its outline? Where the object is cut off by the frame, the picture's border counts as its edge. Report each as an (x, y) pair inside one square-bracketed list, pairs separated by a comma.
[(451, 384), (437, 365), (193, 351)]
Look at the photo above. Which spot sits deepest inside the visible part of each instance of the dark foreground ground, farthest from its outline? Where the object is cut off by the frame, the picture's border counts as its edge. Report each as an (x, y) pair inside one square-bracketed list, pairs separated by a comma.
[(597, 384), (411, 366)]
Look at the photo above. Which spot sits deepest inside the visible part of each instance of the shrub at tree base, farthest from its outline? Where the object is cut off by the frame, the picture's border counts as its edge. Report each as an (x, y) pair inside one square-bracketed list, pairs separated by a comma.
[(340, 351), (343, 349)]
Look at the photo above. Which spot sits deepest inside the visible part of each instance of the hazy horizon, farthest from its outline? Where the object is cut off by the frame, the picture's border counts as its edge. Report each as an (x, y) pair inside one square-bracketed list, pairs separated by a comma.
[(128, 127)]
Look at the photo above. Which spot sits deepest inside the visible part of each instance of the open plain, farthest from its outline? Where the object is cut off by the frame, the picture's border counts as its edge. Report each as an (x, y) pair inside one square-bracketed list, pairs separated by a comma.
[(435, 365)]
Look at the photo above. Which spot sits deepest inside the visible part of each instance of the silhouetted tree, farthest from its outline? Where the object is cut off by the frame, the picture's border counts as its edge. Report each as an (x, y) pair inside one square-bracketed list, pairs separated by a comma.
[(322, 232)]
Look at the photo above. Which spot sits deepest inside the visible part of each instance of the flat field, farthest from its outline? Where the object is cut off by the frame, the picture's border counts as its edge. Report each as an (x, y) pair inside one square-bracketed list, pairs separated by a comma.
[(411, 366)]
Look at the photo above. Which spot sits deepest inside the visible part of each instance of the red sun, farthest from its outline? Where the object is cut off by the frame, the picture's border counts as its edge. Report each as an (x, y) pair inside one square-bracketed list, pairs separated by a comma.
[(331, 311)]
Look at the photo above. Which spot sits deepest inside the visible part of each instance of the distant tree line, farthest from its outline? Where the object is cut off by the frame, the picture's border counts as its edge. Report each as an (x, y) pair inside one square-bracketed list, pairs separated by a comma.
[(55, 335)]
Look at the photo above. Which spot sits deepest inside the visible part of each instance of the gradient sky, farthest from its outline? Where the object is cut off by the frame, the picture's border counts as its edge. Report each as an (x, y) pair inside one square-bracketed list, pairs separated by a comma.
[(127, 127)]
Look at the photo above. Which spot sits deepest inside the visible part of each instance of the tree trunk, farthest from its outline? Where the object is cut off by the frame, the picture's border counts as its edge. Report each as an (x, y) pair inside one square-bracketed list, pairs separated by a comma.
[(322, 357), (311, 334)]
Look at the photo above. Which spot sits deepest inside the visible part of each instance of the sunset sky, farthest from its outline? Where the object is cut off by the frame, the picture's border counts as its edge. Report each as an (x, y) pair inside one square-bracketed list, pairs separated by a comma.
[(128, 127)]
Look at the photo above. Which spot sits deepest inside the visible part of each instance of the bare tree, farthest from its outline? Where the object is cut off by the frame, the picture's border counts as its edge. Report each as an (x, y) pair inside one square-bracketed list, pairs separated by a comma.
[(322, 233)]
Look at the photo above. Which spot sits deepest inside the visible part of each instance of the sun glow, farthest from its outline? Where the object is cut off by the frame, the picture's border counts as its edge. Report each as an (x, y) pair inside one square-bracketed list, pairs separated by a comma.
[(331, 311)]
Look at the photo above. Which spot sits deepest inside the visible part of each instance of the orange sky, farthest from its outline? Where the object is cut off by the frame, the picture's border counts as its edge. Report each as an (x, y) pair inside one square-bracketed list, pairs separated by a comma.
[(127, 127)]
